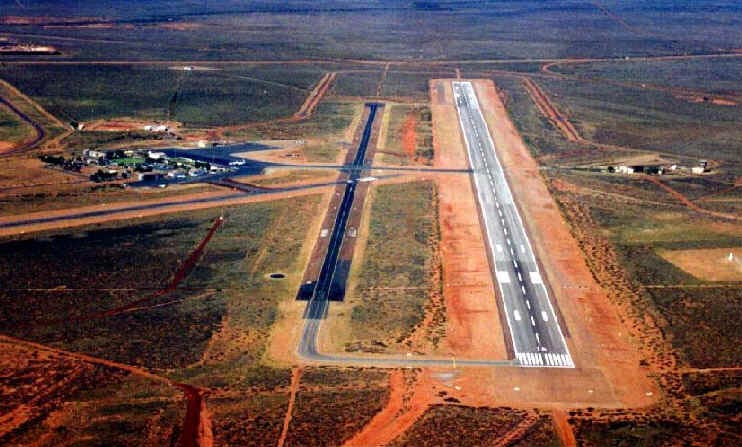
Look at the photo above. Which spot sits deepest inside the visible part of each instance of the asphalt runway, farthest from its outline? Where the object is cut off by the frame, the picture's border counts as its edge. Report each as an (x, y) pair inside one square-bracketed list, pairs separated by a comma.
[(318, 304), (536, 336)]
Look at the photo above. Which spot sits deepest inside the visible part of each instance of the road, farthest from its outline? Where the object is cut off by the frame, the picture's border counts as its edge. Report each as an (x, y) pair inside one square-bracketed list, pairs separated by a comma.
[(536, 336), (40, 133), (316, 309)]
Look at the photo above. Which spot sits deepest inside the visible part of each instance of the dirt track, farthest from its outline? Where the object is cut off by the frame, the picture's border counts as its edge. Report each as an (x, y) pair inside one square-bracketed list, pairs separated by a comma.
[(687, 202), (196, 407), (552, 113), (410, 395), (39, 131)]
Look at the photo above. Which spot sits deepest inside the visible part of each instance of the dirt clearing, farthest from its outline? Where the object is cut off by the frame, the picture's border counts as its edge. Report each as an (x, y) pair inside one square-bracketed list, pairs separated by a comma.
[(709, 264)]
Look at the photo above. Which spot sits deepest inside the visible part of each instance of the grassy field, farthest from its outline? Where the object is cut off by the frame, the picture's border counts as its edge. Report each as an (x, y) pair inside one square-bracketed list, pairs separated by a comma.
[(417, 147), (650, 120), (12, 129), (269, 237), (119, 264), (544, 140), (196, 98), (384, 29), (394, 277), (85, 195), (357, 83), (211, 332), (288, 176), (329, 122), (410, 85), (718, 75)]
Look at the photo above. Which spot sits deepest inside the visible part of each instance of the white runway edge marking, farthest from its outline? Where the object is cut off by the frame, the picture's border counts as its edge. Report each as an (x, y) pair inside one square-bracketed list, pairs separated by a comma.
[(471, 96), (535, 278)]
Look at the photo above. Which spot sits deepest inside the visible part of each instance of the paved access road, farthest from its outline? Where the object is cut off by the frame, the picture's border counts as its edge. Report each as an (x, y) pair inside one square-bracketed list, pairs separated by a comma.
[(536, 336)]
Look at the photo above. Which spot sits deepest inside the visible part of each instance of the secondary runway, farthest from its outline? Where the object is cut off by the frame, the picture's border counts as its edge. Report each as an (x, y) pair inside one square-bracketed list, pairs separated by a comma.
[(536, 336), (316, 309)]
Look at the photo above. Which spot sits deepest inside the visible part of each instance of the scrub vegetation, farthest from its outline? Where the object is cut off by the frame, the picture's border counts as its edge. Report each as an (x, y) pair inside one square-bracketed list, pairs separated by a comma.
[(395, 277)]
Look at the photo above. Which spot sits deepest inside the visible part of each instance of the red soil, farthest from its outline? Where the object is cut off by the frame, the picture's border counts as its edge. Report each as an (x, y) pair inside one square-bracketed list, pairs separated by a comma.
[(295, 380), (409, 137), (315, 96), (409, 397), (197, 424), (196, 431), (546, 107), (473, 319), (563, 429)]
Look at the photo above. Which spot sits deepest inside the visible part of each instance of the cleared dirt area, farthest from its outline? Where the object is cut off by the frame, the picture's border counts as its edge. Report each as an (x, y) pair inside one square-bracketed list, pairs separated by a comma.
[(608, 372), (123, 124), (710, 264)]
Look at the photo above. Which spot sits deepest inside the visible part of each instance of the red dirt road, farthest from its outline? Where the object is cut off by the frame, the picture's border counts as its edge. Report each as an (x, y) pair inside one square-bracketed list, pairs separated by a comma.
[(409, 397), (550, 112), (197, 424)]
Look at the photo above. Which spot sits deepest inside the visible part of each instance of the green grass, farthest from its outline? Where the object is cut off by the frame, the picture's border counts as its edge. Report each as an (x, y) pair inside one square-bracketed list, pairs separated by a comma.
[(650, 120), (12, 129), (394, 279)]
